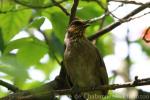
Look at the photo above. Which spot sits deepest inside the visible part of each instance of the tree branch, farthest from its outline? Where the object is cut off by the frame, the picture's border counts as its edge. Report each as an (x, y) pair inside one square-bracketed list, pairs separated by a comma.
[(115, 24), (136, 82), (139, 16), (61, 7), (73, 10), (9, 86)]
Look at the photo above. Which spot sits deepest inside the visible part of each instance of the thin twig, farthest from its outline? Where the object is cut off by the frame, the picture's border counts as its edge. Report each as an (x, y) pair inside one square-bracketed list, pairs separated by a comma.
[(102, 16), (127, 2), (49, 46), (115, 24), (9, 86), (105, 10), (102, 22), (132, 18), (73, 10), (61, 7), (139, 16)]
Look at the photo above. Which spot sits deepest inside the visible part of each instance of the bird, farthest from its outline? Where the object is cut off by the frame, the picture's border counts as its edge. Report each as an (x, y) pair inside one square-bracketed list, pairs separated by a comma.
[(83, 62)]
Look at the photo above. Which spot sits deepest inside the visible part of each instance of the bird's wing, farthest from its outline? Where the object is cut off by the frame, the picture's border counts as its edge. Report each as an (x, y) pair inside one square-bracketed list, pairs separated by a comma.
[(102, 70)]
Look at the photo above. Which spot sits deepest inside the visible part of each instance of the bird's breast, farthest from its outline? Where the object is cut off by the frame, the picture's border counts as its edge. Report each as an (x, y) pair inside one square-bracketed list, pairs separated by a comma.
[(80, 62)]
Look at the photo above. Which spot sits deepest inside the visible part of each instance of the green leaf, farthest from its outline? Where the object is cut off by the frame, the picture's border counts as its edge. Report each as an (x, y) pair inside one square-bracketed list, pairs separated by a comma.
[(47, 67), (144, 46), (10, 66), (92, 29), (12, 22), (6, 5), (37, 22), (3, 93), (105, 3), (35, 3), (56, 45), (17, 44), (31, 85), (105, 45), (59, 23), (108, 20), (30, 50), (31, 53), (89, 10)]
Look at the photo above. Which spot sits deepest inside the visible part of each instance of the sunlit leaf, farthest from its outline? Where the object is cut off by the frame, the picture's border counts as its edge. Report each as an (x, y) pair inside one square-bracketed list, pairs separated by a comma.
[(59, 23), (89, 10), (31, 85), (31, 53), (47, 67), (12, 22), (36, 23), (6, 5), (10, 66), (35, 3), (105, 45), (19, 43)]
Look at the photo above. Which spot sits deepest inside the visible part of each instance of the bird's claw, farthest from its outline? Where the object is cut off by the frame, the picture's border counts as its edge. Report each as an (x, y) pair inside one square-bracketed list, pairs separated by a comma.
[(76, 89)]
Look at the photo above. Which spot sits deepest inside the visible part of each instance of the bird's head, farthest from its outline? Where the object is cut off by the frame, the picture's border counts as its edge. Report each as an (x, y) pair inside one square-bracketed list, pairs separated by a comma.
[(77, 27)]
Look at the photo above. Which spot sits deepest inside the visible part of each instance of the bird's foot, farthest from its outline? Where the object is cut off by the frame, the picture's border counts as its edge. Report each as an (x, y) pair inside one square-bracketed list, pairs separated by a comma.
[(93, 88), (76, 89)]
